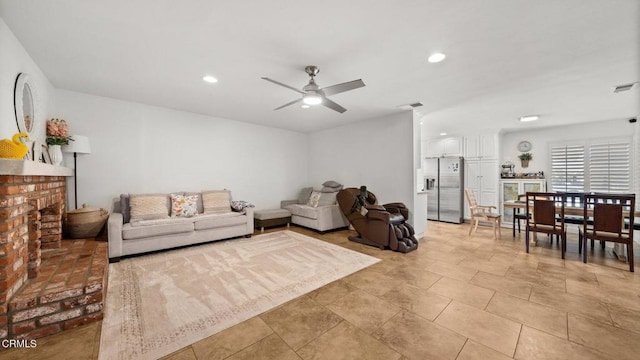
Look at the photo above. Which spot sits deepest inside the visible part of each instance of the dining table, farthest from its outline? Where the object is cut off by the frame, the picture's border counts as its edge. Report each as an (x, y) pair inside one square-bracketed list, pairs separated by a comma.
[(579, 211), (568, 210)]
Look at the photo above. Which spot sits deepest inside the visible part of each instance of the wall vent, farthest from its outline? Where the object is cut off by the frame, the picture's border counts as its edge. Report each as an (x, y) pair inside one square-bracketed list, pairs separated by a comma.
[(625, 87), (410, 106)]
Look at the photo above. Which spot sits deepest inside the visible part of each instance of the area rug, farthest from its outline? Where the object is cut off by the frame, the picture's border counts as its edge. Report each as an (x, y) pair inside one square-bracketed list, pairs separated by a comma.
[(157, 304)]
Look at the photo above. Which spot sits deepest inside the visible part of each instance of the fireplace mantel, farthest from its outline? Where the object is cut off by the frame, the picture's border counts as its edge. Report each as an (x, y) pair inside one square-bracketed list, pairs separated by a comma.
[(32, 168)]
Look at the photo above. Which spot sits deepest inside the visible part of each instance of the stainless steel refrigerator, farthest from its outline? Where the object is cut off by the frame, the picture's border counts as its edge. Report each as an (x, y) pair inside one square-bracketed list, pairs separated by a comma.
[(444, 182)]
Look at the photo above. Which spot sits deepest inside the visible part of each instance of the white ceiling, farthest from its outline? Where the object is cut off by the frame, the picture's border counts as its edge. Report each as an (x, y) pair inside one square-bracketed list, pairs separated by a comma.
[(505, 58)]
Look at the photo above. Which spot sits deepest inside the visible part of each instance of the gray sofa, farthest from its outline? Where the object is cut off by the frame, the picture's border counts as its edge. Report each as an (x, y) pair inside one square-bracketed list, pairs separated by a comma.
[(317, 209), (127, 238)]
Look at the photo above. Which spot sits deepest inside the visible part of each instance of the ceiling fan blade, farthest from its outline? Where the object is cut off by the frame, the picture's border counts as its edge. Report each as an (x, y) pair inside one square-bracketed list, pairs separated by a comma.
[(285, 85), (339, 88), (287, 104), (333, 106)]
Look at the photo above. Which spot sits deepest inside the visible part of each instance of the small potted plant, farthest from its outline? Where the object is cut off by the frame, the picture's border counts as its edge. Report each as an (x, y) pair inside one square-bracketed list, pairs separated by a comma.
[(524, 159)]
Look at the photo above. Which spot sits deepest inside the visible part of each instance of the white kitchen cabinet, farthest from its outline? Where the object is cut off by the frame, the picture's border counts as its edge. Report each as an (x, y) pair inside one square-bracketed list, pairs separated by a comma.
[(451, 146), (482, 176), (481, 146)]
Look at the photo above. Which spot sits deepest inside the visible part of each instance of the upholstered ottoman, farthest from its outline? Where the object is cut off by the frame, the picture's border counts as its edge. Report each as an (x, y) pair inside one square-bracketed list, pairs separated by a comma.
[(271, 217)]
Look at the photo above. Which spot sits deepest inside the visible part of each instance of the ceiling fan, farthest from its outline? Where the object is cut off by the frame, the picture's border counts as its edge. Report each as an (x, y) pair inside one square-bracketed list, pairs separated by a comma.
[(313, 95)]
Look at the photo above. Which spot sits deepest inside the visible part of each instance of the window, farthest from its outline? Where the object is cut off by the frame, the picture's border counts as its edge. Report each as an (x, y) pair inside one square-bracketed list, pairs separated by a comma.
[(592, 167), (567, 168), (609, 168)]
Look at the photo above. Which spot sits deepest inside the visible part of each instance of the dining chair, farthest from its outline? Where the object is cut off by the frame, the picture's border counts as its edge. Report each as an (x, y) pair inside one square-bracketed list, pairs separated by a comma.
[(575, 200), (610, 212), (482, 213), (544, 208), (518, 215)]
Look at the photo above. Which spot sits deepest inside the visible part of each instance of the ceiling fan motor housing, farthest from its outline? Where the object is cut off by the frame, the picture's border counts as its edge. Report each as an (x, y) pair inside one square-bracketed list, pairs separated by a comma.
[(312, 70)]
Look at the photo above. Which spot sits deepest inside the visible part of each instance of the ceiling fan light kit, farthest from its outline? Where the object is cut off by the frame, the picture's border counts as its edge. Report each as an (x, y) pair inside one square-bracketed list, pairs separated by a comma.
[(312, 94), (312, 99)]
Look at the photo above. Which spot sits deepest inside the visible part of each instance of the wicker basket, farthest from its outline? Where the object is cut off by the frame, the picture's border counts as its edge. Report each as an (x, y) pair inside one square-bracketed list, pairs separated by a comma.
[(86, 222)]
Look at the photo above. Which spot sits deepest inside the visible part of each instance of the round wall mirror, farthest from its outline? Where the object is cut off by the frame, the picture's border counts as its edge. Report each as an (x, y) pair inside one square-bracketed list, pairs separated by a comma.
[(25, 106)]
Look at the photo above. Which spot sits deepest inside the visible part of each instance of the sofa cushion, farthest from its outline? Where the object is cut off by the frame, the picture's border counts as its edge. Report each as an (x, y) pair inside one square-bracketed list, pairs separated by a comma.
[(136, 232), (216, 201), (327, 198), (220, 220), (303, 210), (314, 199), (149, 206), (184, 205), (303, 196)]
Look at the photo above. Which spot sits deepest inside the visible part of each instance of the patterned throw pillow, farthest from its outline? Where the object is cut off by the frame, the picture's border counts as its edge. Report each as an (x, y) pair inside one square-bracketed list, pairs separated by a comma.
[(314, 198), (148, 206), (239, 205), (184, 205), (216, 201)]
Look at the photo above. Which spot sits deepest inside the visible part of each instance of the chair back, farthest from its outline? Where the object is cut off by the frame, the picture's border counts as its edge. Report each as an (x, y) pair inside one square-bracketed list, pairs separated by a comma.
[(471, 198), (546, 207), (610, 212), (544, 212), (607, 217)]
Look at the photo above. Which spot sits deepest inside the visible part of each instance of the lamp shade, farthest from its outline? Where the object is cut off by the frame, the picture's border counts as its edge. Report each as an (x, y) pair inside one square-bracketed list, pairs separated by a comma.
[(79, 145)]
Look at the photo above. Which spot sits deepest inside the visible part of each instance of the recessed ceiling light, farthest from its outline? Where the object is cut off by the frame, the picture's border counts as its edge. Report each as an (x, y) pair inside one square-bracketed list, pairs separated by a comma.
[(443, 134), (209, 79), (436, 57), (529, 118), (305, 106)]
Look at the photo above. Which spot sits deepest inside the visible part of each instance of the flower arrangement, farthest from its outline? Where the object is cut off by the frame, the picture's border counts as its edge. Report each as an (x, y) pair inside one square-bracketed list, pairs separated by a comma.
[(58, 132)]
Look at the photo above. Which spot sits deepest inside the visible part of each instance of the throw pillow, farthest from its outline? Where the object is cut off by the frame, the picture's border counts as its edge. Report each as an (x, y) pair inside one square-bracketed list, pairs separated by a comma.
[(239, 205), (148, 206), (314, 198), (199, 203), (332, 184), (326, 189), (216, 201), (327, 198), (184, 205), (125, 208), (304, 195)]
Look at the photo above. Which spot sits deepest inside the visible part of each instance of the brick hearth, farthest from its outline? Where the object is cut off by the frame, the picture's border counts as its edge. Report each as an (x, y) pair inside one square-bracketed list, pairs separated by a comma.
[(46, 284), (68, 292)]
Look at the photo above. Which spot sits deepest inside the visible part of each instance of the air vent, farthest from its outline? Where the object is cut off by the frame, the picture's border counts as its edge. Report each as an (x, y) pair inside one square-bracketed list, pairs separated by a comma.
[(411, 105), (625, 87)]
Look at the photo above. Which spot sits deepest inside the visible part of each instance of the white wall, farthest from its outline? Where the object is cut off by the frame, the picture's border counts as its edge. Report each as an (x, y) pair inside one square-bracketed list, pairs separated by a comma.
[(378, 153), (541, 138), (419, 197), (14, 59), (138, 148)]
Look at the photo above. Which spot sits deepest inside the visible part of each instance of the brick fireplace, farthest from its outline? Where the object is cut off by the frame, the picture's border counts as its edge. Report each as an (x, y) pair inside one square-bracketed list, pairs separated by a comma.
[(47, 284)]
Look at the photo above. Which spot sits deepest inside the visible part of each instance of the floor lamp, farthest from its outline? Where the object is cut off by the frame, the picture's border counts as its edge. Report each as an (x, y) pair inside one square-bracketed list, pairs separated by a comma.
[(79, 145)]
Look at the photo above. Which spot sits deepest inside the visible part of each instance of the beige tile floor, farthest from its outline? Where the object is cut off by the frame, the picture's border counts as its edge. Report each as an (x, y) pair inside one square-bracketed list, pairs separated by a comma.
[(456, 297)]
